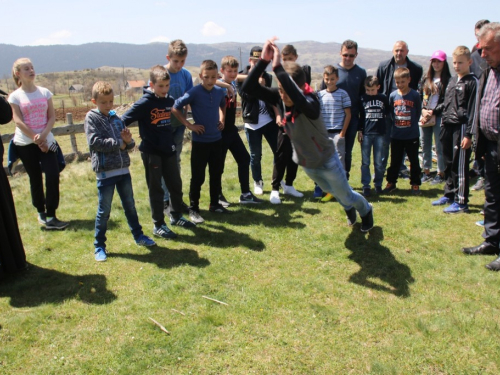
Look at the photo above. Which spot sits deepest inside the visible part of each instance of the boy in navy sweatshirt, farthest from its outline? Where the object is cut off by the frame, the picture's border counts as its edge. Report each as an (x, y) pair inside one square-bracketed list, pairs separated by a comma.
[(208, 103), (312, 149), (158, 151), (406, 108), (109, 142)]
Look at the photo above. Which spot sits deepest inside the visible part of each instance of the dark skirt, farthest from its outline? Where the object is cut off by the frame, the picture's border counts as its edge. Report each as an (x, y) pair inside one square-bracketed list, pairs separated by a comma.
[(12, 256)]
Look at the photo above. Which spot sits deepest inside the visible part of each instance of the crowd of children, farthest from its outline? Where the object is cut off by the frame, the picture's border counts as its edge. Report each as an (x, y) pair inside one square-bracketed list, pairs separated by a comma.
[(302, 127)]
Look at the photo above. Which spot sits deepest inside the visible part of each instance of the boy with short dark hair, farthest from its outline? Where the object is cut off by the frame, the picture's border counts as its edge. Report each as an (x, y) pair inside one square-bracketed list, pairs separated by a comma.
[(158, 151), (208, 104), (109, 142), (457, 118), (371, 133), (406, 107), (231, 139), (313, 149)]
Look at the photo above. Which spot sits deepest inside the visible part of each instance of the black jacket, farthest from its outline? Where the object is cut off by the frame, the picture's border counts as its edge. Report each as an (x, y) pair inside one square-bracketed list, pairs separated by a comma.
[(250, 104), (459, 103), (385, 75)]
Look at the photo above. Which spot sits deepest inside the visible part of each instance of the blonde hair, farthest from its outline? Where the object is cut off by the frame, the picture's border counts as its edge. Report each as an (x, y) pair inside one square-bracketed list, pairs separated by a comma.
[(461, 51), (229, 61), (17, 68), (402, 73), (178, 48), (101, 88)]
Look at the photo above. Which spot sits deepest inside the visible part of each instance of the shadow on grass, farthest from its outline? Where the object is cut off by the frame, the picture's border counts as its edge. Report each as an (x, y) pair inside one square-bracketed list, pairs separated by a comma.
[(37, 286), (166, 258), (377, 262), (77, 225)]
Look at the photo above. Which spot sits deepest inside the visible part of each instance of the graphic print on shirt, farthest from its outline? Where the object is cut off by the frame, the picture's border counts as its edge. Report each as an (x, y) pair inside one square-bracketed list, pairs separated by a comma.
[(161, 116), (374, 110), (402, 113)]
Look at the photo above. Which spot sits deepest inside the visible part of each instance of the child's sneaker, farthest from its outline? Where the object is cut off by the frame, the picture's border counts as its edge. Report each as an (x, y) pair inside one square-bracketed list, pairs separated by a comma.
[(367, 221), (327, 198), (456, 208), (479, 185), (290, 190), (166, 208), (258, 187), (275, 197), (218, 208), (480, 223), (441, 201), (438, 179), (56, 224), (249, 198), (42, 218), (351, 216), (389, 188), (318, 193), (415, 190), (164, 232), (378, 189), (367, 192), (144, 240), (194, 215), (182, 222), (100, 254), (426, 178), (404, 174), (223, 201)]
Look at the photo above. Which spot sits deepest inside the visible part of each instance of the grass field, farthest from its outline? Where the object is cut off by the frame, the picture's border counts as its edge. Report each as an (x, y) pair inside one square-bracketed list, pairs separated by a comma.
[(305, 293)]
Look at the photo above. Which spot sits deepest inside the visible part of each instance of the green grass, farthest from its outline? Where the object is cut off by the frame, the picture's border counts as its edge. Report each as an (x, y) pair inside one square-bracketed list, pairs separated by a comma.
[(306, 294)]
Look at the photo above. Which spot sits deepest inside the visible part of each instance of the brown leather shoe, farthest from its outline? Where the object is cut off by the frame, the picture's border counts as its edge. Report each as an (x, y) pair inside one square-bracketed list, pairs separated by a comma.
[(483, 249), (494, 266)]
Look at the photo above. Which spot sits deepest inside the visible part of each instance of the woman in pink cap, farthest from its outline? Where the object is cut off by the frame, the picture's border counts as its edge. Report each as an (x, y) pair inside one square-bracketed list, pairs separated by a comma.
[(432, 88)]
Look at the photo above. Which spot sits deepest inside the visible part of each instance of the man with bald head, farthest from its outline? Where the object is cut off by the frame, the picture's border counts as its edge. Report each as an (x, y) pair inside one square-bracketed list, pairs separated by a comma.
[(487, 124), (385, 75)]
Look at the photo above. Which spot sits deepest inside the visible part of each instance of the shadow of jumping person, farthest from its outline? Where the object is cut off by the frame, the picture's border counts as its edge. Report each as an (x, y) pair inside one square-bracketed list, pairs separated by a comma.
[(377, 262), (37, 286)]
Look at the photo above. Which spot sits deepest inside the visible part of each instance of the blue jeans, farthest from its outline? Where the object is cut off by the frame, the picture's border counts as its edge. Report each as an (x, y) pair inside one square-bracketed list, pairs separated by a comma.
[(331, 177), (178, 138), (376, 142), (254, 137), (105, 191), (426, 134)]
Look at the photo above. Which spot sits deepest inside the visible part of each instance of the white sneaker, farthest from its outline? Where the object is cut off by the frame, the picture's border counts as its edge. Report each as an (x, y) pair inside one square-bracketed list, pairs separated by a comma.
[(290, 190), (258, 187), (275, 197)]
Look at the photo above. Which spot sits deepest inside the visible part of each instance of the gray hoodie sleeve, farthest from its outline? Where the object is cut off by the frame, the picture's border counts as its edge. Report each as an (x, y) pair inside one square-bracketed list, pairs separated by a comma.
[(96, 136)]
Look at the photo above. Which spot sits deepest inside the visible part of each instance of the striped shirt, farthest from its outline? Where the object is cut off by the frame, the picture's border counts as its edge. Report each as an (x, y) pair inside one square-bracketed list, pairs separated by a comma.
[(333, 105), (490, 104)]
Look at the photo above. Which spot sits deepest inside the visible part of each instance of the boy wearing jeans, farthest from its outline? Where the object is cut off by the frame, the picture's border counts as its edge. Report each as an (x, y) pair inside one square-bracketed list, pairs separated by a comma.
[(406, 108), (208, 103), (312, 148), (371, 133), (109, 141)]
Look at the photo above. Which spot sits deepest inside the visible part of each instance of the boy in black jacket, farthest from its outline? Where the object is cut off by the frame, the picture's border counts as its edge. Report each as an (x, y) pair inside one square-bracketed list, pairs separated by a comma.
[(158, 151), (457, 118)]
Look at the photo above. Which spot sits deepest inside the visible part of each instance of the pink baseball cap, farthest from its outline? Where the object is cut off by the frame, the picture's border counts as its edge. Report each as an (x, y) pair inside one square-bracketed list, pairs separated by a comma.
[(439, 55)]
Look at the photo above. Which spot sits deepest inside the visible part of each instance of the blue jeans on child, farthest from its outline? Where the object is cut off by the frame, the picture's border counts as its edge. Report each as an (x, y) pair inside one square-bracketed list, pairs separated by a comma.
[(331, 178), (105, 191), (254, 138), (376, 142), (426, 134), (178, 138)]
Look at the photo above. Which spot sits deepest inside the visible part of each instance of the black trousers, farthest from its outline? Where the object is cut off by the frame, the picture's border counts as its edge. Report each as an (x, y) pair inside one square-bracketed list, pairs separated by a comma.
[(202, 154), (231, 141), (456, 162), (491, 232), (156, 167), (37, 162), (398, 148), (284, 162)]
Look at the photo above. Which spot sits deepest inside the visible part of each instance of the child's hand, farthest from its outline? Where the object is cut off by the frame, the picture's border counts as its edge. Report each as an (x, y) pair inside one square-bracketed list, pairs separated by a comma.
[(466, 143), (268, 50), (198, 129), (276, 57), (262, 81), (230, 93), (360, 137), (220, 126), (342, 134), (44, 146), (39, 139), (279, 121), (126, 135)]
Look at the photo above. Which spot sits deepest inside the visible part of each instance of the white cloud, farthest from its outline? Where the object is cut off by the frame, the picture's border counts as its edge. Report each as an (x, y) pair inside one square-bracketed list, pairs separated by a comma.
[(160, 39), (212, 29), (55, 38)]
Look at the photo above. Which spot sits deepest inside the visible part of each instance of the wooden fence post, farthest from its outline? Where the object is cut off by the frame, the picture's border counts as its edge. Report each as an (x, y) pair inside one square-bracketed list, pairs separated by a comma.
[(72, 137)]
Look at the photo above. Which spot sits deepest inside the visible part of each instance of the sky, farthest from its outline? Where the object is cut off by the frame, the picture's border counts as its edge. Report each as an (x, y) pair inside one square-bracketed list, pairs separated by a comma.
[(425, 25)]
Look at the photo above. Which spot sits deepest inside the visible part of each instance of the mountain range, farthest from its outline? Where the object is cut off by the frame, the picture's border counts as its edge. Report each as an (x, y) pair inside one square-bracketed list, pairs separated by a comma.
[(57, 58)]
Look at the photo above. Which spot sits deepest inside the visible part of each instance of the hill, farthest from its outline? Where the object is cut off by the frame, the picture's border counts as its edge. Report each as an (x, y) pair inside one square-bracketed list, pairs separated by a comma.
[(59, 58)]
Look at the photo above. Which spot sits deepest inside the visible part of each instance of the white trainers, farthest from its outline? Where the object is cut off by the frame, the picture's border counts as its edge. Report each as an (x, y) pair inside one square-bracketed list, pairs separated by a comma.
[(258, 187), (275, 197), (290, 190)]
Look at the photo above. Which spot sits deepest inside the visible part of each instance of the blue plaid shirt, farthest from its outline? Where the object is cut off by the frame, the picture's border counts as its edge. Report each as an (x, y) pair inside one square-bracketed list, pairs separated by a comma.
[(490, 104)]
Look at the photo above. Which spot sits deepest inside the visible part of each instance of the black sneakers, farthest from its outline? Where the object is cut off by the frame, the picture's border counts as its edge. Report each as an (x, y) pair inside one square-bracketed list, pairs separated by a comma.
[(367, 221), (55, 224), (351, 216)]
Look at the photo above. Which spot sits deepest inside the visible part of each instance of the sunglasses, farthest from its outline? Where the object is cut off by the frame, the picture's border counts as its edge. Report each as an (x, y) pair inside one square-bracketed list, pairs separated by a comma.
[(349, 55)]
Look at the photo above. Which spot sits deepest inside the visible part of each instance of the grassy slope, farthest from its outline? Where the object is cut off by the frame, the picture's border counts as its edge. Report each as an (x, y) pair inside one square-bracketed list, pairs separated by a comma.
[(306, 293)]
